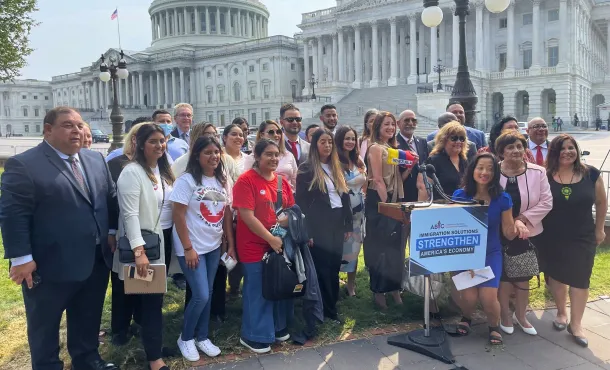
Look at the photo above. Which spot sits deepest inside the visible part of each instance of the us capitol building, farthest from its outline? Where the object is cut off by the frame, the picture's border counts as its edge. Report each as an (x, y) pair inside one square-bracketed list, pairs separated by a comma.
[(546, 58)]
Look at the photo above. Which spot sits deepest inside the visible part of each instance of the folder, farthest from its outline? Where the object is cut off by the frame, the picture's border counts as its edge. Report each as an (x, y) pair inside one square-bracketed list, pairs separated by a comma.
[(158, 284)]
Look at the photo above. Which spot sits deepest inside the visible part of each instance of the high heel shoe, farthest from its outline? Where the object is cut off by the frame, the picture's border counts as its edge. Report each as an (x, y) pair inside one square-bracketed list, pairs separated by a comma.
[(581, 341), (507, 329), (530, 331)]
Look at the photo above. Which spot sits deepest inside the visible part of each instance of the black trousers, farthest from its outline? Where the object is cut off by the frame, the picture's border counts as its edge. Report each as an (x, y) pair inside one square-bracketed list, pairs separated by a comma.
[(151, 306), (168, 245), (124, 307), (327, 253), (83, 302), (219, 294)]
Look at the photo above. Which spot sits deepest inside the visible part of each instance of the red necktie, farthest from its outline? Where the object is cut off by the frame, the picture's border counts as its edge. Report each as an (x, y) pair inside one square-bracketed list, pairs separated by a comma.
[(539, 157), (294, 149)]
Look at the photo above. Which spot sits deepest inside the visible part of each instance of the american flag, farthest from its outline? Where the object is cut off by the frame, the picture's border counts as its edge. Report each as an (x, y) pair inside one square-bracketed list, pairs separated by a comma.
[(114, 15)]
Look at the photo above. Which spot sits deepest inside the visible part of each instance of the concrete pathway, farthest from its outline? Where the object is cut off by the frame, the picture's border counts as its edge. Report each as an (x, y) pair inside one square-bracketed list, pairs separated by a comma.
[(550, 350)]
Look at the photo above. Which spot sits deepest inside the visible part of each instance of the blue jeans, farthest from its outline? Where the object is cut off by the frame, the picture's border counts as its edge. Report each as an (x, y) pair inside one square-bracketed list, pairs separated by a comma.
[(201, 281), (261, 318)]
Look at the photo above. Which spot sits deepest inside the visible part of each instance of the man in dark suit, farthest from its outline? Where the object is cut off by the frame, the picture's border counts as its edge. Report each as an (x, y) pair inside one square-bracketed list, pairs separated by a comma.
[(54, 218), (407, 123), (183, 116), (290, 119)]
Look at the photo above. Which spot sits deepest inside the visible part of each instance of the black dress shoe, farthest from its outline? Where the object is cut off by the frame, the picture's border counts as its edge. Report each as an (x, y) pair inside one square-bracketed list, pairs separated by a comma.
[(97, 365)]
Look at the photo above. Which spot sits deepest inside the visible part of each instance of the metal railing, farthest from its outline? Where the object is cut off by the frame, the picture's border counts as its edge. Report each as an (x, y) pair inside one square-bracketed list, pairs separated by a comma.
[(307, 98)]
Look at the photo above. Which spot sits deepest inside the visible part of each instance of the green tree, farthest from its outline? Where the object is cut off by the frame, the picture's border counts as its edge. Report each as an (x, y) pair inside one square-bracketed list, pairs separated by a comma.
[(16, 24)]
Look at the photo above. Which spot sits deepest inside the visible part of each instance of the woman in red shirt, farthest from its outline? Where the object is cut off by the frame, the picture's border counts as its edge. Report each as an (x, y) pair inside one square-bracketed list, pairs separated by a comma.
[(255, 195)]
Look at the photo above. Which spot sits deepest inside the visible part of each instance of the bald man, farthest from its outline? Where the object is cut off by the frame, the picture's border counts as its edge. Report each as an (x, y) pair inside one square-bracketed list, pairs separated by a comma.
[(538, 143), (407, 124), (474, 135), (444, 119)]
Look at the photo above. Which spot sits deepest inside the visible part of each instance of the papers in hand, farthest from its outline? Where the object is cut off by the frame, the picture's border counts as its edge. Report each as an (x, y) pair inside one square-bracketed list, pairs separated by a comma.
[(470, 278)]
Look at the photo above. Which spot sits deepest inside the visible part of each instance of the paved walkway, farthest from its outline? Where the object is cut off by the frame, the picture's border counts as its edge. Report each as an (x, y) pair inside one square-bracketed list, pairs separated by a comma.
[(550, 350)]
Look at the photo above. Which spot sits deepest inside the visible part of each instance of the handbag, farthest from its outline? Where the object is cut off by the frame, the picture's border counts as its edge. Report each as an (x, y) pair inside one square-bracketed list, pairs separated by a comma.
[(522, 265), (152, 241)]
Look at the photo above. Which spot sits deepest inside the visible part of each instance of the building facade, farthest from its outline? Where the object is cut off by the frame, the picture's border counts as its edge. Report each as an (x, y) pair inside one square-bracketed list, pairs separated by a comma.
[(213, 54), (23, 105), (538, 58)]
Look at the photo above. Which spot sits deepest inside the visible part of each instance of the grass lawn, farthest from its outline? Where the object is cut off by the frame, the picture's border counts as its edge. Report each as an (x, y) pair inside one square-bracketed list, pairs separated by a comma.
[(361, 319)]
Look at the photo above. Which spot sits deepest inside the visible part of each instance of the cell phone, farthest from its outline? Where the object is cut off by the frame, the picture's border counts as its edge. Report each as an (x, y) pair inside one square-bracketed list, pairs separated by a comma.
[(133, 274), (36, 280)]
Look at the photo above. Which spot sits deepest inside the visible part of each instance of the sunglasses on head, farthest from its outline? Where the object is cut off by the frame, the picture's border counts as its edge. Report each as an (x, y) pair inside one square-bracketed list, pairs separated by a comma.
[(292, 119), (455, 138), (274, 132)]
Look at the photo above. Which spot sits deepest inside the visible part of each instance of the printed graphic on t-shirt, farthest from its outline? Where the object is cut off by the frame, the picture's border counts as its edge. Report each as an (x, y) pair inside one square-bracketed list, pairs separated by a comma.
[(212, 205)]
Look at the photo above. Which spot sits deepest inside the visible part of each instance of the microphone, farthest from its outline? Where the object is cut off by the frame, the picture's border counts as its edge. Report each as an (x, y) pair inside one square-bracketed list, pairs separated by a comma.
[(431, 172), (400, 157)]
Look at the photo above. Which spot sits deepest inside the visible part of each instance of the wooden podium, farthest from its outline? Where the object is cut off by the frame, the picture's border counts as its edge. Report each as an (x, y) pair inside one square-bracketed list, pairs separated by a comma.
[(397, 211)]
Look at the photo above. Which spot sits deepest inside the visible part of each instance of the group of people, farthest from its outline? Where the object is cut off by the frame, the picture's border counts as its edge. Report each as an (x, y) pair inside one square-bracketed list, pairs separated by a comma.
[(207, 193)]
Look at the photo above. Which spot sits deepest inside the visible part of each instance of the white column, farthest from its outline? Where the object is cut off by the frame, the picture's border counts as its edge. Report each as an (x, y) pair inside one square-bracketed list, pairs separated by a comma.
[(403, 54), (167, 30), (433, 50), (218, 20), (128, 87), (175, 22), (384, 56), (228, 23), (479, 51), (350, 57), (182, 90), (175, 96), (120, 90), (94, 103), (375, 55), (358, 58), (564, 53), (510, 38), (341, 54), (107, 94), (152, 25), (197, 21), (321, 58), (536, 35), (393, 81), (158, 101), (487, 57), (248, 25), (207, 20), (306, 66), (335, 59), (141, 88), (314, 57), (150, 102), (422, 49), (455, 42), (413, 48), (100, 94), (239, 28), (442, 51), (193, 94), (185, 26), (166, 87), (367, 56)]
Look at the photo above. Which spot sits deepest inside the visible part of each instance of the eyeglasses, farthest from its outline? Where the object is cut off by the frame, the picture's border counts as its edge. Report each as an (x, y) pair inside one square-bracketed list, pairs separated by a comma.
[(292, 119), (455, 138), (274, 132), (539, 127), (185, 115), (414, 120)]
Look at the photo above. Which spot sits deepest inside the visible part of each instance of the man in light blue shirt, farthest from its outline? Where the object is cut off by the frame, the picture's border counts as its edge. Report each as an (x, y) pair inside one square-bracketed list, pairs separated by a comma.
[(475, 136), (175, 147)]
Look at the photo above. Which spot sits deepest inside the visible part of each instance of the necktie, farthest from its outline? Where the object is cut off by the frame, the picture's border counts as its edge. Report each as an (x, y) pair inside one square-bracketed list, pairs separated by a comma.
[(294, 149), (539, 157), (412, 146), (78, 175)]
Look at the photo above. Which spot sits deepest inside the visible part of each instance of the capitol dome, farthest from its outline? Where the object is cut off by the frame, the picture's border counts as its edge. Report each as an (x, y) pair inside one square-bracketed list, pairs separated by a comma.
[(207, 23)]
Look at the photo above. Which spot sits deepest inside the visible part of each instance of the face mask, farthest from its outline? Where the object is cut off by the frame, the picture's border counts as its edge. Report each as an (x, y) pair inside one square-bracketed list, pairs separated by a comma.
[(167, 128)]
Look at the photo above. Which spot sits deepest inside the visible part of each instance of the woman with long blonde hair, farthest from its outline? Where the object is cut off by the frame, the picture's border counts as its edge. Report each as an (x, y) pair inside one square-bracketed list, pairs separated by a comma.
[(322, 195)]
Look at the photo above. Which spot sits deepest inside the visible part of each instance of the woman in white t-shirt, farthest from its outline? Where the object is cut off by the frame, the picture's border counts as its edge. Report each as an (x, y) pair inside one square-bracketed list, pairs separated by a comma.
[(201, 200)]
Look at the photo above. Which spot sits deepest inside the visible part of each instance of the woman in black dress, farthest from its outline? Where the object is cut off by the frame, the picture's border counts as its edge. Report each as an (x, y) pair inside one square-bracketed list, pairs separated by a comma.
[(567, 251)]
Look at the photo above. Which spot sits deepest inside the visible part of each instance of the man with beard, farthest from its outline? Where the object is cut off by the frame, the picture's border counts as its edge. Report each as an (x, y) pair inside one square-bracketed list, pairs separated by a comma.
[(329, 117), (407, 123), (290, 119)]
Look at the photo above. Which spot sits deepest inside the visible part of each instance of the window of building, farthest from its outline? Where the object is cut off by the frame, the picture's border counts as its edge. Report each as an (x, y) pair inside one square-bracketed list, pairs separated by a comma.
[(211, 117), (26, 128), (293, 67), (208, 74), (221, 94), (553, 15), (38, 128), (253, 117), (503, 23), (528, 18), (24, 97), (210, 96), (235, 71), (502, 65), (252, 90), (222, 119), (553, 56), (525, 106), (251, 68), (293, 89), (527, 58), (267, 115), (265, 67), (324, 50), (35, 97), (46, 98), (36, 112), (266, 89), (25, 112), (236, 92), (220, 73)]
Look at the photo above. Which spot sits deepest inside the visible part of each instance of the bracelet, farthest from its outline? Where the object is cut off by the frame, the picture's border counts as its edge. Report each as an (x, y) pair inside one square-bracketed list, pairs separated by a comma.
[(188, 249)]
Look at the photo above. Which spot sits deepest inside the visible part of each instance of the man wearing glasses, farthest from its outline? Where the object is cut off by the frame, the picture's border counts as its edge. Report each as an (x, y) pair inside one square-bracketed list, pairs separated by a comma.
[(407, 123), (538, 142), (183, 115), (290, 119)]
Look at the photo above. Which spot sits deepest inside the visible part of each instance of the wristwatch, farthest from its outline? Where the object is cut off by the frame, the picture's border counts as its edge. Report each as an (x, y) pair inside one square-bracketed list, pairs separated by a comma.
[(138, 252)]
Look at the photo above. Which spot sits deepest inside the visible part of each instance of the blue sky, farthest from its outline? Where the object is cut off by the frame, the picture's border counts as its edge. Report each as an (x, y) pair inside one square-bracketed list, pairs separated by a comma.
[(73, 33)]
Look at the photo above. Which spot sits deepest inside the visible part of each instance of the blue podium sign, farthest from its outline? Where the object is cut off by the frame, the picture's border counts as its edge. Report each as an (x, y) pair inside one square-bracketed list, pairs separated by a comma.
[(447, 238)]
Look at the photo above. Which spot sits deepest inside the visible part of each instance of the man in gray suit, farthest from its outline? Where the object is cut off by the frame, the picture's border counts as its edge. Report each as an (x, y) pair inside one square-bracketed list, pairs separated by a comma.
[(290, 119), (54, 213)]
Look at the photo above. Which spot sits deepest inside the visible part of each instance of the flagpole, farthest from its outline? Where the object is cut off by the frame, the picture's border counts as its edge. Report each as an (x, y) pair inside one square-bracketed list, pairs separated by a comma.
[(118, 26)]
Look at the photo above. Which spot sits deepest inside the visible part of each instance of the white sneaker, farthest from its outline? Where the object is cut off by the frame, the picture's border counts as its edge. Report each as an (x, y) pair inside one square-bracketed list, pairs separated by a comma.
[(207, 347), (188, 349)]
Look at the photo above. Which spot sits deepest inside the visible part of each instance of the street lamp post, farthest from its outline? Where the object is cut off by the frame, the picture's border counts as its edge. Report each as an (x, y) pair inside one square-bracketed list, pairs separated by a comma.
[(114, 72), (313, 82), (439, 68)]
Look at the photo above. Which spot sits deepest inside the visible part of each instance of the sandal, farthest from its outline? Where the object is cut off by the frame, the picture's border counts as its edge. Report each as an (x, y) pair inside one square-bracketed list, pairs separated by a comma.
[(495, 339), (461, 329)]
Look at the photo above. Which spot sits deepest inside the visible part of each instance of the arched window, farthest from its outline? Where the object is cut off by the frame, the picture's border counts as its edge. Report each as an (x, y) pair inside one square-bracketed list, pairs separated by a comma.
[(236, 92)]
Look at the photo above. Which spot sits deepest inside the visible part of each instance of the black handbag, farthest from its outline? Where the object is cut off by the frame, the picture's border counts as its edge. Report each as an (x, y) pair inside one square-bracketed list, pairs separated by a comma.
[(152, 241), (280, 281)]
